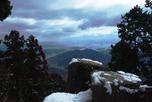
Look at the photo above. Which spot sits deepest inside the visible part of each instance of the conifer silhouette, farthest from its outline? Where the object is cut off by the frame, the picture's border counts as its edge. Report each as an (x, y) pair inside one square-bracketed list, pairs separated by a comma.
[(5, 9), (135, 29), (23, 70)]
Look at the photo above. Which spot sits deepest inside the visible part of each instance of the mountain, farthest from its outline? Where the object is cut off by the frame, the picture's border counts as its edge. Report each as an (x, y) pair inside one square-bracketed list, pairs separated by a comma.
[(62, 60)]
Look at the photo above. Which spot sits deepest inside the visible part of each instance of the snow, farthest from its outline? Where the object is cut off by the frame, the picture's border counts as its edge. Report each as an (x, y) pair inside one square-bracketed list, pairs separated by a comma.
[(129, 90), (89, 60), (144, 87), (96, 76), (84, 96), (108, 78), (116, 82), (108, 87), (121, 72), (129, 77), (141, 88), (97, 79), (60, 97), (106, 74), (74, 60)]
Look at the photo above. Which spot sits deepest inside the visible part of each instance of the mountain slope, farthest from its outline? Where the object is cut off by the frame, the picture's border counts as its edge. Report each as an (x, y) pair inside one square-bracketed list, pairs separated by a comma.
[(62, 60)]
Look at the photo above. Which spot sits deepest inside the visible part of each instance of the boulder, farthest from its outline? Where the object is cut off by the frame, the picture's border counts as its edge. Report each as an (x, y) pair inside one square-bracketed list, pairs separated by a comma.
[(79, 71), (109, 86)]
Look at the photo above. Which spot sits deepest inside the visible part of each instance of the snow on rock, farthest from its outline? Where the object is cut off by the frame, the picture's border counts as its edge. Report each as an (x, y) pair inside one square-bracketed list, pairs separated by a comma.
[(109, 78), (108, 87), (74, 60), (89, 60), (116, 82), (116, 77), (130, 77), (84, 96), (129, 90), (144, 87), (96, 76), (79, 70)]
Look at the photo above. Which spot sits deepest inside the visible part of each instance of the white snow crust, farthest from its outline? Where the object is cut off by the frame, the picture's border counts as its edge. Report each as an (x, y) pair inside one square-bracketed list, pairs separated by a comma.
[(129, 90), (108, 87), (74, 60), (106, 79), (130, 77), (84, 96)]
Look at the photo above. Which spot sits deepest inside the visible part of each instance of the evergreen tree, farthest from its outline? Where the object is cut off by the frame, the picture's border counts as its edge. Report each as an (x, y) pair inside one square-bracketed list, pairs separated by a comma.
[(37, 78), (135, 29), (123, 57), (23, 70), (12, 60), (5, 9)]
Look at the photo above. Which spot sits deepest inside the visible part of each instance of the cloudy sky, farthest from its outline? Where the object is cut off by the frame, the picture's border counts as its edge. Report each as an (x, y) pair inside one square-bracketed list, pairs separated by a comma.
[(68, 22)]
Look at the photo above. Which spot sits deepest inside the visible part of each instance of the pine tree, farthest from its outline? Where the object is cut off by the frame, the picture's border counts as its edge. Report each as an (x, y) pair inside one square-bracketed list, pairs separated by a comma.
[(37, 77), (12, 62), (5, 9), (23, 70), (123, 57), (135, 29)]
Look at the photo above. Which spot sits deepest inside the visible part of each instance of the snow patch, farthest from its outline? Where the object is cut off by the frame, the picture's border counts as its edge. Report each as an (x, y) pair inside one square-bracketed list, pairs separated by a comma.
[(128, 89), (106, 74), (89, 60), (108, 87), (74, 60), (97, 77), (108, 78), (60, 97), (116, 82), (144, 87), (129, 77), (85, 96)]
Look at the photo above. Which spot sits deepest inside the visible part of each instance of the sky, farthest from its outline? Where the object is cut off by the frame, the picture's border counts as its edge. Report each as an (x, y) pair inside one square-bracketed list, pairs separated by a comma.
[(83, 23)]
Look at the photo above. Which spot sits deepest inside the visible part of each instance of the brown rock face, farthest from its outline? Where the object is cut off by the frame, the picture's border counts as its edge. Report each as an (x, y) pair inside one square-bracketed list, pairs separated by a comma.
[(79, 71)]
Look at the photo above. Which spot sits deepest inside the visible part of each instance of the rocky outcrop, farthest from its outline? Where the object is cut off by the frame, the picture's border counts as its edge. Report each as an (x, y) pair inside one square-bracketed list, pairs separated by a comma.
[(108, 86), (101, 86), (79, 71)]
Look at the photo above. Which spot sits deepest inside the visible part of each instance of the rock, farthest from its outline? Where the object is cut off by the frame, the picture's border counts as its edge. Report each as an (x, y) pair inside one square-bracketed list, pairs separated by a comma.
[(108, 86), (79, 71)]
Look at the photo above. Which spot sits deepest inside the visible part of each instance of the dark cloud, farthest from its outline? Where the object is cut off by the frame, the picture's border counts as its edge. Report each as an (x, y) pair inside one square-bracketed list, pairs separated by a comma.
[(33, 17)]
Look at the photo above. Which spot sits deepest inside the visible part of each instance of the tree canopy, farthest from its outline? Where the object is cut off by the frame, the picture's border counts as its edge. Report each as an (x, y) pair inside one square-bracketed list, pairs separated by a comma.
[(23, 70), (135, 31), (5, 9)]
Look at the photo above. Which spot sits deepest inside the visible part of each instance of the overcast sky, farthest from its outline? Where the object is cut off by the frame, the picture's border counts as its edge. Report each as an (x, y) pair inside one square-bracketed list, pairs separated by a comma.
[(69, 22)]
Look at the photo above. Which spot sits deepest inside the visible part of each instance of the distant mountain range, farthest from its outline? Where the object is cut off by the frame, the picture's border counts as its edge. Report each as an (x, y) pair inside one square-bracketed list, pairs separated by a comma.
[(62, 60)]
